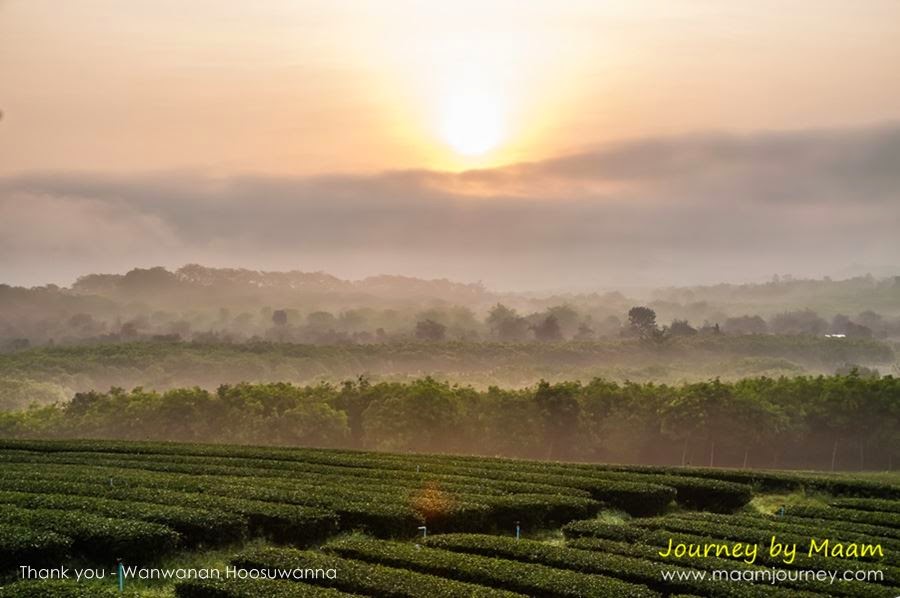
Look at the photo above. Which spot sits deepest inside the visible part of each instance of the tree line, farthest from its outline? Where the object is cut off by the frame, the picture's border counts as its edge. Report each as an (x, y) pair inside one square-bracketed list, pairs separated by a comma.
[(558, 323), (847, 421)]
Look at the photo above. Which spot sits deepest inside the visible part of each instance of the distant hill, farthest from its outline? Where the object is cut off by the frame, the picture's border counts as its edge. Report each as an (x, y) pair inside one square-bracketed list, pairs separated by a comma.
[(196, 283), (825, 295)]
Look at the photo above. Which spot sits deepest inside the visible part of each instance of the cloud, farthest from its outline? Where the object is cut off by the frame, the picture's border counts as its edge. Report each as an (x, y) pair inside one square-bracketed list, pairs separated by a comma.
[(697, 208), (817, 165)]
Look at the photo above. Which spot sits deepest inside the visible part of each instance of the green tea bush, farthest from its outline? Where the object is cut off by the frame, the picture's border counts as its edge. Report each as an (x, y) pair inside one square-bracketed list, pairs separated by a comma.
[(637, 570), (537, 510), (100, 538), (812, 527), (778, 481), (25, 546), (531, 579), (867, 504), (252, 588), (879, 518), (282, 522), (62, 589), (367, 578), (195, 525)]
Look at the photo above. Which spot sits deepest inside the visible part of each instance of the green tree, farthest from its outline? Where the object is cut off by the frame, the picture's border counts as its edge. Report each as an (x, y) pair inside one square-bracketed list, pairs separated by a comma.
[(279, 317), (548, 330), (642, 321), (507, 325), (559, 409), (681, 328), (429, 330), (420, 416)]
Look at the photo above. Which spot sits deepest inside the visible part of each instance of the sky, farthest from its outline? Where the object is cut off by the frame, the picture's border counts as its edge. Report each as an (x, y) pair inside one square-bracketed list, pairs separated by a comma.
[(539, 145)]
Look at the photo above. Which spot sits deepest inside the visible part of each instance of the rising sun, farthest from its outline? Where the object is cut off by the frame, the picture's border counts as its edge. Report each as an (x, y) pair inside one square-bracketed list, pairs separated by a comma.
[(472, 122)]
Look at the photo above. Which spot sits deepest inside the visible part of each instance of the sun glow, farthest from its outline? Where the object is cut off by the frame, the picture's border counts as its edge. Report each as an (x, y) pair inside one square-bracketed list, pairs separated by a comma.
[(472, 122)]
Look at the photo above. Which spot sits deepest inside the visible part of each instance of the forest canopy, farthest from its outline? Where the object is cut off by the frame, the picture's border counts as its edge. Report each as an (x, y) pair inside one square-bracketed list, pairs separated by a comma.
[(847, 421)]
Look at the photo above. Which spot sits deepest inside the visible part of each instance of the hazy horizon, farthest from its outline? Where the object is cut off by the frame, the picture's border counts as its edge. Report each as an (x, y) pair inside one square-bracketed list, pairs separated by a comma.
[(637, 291)]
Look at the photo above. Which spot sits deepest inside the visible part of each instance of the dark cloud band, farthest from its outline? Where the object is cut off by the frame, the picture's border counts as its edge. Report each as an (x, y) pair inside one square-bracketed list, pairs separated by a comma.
[(669, 210)]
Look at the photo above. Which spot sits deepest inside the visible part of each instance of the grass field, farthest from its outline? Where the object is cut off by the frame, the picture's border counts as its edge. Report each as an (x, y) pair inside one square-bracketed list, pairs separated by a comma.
[(585, 530)]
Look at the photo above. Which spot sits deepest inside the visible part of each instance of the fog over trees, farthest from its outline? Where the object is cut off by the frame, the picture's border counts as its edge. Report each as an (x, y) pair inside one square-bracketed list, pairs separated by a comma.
[(232, 305)]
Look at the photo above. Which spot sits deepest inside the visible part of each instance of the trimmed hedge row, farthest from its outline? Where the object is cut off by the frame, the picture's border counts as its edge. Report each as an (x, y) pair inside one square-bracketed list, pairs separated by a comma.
[(806, 526), (692, 492), (531, 579), (388, 478), (867, 504), (697, 493), (652, 497), (96, 537), (836, 484), (637, 570), (638, 499), (252, 588), (538, 510), (25, 546), (702, 494), (282, 522), (367, 578), (768, 480), (358, 508), (847, 529), (602, 489), (438, 509), (110, 476), (378, 514), (596, 482), (279, 513), (599, 489), (400, 491), (879, 518), (595, 528), (773, 481), (383, 515), (195, 525), (61, 589)]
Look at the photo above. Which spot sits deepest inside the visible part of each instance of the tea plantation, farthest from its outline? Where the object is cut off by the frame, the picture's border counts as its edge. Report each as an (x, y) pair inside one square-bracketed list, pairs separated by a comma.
[(423, 525)]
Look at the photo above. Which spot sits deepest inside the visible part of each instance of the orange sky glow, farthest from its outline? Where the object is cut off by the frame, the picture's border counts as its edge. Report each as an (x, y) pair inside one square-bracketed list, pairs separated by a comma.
[(306, 87)]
